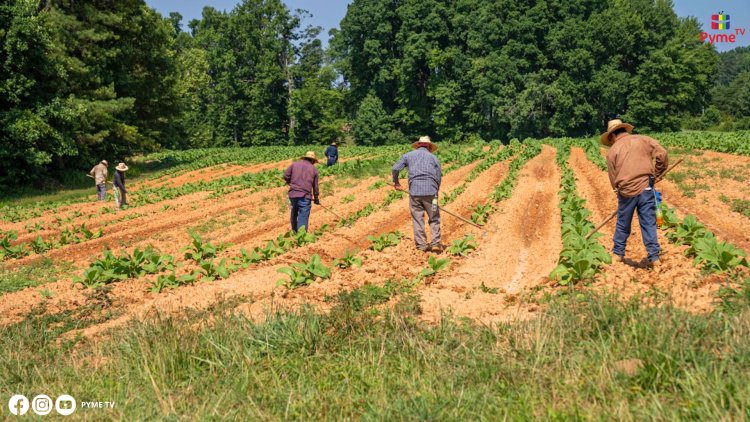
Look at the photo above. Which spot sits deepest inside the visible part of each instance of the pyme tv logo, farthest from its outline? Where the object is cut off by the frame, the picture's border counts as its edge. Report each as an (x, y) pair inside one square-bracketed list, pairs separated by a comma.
[(720, 22)]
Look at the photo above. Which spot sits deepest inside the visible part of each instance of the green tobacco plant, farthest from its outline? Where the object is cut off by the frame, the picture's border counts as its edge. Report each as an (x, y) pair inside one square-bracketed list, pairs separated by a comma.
[(304, 273), (433, 266), (480, 213), (385, 240), (172, 281), (463, 246), (717, 256), (10, 251), (688, 231), (111, 268), (393, 196), (347, 199), (200, 250), (210, 270), (349, 260)]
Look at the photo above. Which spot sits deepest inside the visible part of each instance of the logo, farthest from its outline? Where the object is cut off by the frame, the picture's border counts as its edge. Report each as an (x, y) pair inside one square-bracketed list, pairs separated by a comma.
[(65, 405), (41, 405), (720, 22), (18, 405)]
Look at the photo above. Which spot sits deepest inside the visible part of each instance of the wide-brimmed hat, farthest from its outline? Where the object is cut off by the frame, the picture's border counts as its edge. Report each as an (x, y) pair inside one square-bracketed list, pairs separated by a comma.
[(334, 143), (612, 126), (310, 155), (425, 141), (105, 163), (121, 167)]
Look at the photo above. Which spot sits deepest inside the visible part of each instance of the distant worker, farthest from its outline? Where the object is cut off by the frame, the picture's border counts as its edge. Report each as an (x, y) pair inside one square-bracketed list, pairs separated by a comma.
[(632, 174), (332, 153), (302, 178), (119, 184), (425, 176), (100, 173)]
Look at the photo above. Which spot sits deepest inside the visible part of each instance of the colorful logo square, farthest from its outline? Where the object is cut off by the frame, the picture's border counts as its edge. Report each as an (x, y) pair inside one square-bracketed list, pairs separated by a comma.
[(720, 21)]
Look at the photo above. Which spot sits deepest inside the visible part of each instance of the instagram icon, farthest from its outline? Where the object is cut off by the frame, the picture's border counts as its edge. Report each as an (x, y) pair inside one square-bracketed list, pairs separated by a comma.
[(41, 405)]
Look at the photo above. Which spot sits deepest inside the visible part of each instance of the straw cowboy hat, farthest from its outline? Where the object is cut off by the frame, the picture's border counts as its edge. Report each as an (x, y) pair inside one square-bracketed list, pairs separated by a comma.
[(310, 155), (105, 163), (425, 142), (612, 126), (121, 167)]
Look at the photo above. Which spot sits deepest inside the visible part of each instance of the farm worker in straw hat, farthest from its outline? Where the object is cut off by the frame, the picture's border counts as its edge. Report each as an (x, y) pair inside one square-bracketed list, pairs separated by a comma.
[(634, 163), (99, 173), (302, 178), (119, 183), (425, 176), (332, 153)]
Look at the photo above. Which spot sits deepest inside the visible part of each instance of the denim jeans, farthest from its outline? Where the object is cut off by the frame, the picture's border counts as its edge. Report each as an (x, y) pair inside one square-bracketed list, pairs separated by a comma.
[(645, 204), (300, 212), (101, 191)]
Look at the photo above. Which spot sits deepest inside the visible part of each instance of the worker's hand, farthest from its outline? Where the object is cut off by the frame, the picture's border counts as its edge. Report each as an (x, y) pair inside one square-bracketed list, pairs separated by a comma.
[(316, 201)]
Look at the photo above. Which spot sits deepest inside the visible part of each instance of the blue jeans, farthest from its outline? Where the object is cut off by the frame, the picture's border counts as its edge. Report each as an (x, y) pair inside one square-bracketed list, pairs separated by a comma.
[(101, 191), (300, 212), (646, 206)]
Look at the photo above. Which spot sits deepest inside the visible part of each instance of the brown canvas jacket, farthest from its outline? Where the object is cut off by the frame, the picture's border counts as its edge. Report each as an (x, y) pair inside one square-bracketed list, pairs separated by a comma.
[(630, 162)]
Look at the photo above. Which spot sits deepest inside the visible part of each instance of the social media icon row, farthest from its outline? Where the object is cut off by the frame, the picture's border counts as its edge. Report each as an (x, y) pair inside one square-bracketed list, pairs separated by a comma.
[(42, 405)]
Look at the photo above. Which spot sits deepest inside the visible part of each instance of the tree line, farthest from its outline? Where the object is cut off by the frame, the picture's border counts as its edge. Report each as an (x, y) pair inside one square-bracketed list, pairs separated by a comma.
[(85, 80)]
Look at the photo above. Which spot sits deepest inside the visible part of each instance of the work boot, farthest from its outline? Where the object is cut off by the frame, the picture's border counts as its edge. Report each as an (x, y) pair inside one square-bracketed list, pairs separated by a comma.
[(654, 265), (619, 258), (438, 248), (423, 248)]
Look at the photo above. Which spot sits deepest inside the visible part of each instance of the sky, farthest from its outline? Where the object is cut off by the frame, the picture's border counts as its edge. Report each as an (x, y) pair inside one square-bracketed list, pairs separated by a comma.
[(328, 13)]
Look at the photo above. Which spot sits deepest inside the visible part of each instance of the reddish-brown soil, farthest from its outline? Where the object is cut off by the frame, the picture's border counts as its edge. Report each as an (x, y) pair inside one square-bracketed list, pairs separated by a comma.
[(522, 248), (677, 276), (133, 292)]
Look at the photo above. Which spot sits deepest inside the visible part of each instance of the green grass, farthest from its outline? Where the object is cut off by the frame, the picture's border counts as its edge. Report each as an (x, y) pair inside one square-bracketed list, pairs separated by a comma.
[(363, 361), (36, 274)]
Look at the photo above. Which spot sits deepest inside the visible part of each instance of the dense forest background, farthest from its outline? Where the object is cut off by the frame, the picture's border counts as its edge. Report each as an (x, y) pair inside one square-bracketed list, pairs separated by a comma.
[(86, 80)]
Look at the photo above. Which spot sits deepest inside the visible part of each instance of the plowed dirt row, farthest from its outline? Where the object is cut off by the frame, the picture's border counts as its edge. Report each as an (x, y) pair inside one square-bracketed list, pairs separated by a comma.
[(259, 281), (521, 251), (94, 207), (15, 305), (131, 293), (402, 262), (190, 210), (678, 276)]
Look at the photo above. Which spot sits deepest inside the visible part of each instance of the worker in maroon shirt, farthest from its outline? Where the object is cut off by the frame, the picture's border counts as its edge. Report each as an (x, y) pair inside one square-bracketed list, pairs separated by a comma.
[(302, 178)]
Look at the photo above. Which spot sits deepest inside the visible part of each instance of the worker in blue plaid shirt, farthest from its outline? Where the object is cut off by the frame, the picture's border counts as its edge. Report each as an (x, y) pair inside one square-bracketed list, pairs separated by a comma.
[(425, 176)]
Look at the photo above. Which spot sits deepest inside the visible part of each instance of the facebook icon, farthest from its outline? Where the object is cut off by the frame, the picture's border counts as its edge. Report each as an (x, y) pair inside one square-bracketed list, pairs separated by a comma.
[(18, 405)]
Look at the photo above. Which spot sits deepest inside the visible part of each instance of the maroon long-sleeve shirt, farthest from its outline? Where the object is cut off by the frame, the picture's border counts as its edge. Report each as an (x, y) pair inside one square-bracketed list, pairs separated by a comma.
[(302, 178)]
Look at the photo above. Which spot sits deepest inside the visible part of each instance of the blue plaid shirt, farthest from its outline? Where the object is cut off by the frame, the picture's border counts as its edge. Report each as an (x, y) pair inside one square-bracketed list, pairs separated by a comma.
[(424, 172)]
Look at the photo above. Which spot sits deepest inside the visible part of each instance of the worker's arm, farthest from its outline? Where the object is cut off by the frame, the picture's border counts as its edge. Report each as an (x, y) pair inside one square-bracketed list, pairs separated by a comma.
[(660, 156), (400, 164), (288, 175), (439, 172), (93, 170), (316, 192), (612, 169)]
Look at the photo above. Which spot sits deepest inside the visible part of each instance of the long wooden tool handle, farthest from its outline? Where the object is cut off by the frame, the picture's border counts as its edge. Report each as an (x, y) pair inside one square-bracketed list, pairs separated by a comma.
[(606, 220), (462, 219), (668, 170)]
